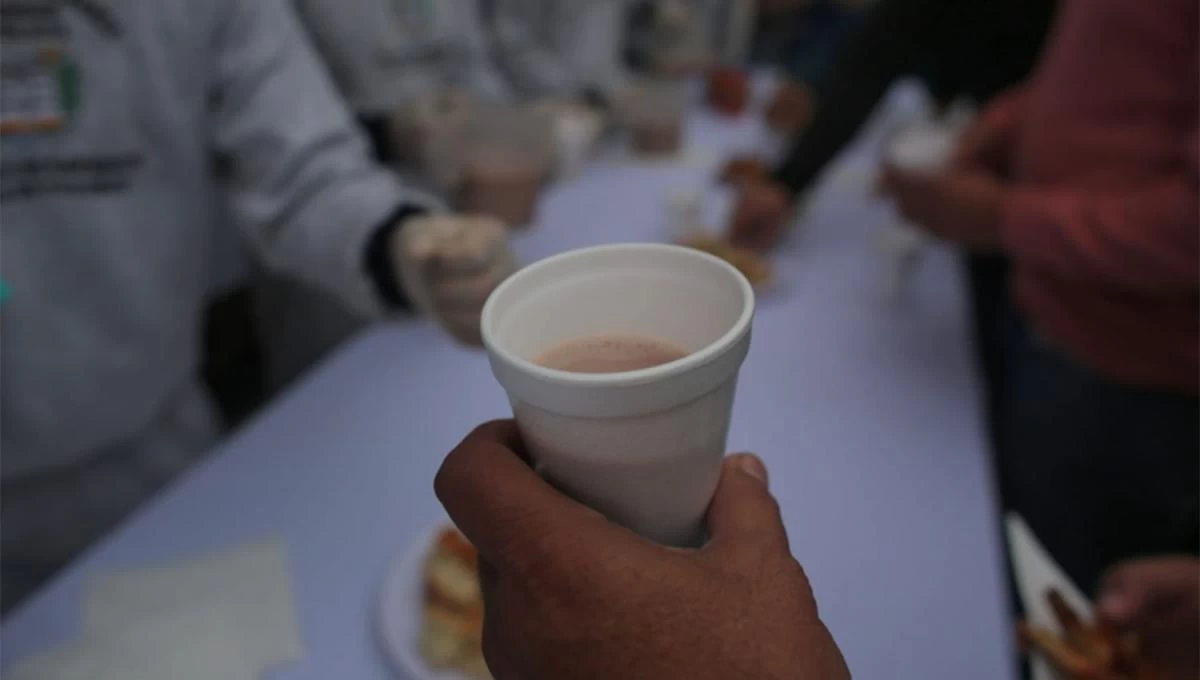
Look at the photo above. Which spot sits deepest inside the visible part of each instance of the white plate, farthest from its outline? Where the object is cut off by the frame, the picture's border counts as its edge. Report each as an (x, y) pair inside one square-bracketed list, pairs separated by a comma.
[(1036, 573), (398, 619)]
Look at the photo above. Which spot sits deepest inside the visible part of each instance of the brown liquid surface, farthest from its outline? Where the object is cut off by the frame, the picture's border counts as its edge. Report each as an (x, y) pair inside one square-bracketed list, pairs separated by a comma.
[(609, 354)]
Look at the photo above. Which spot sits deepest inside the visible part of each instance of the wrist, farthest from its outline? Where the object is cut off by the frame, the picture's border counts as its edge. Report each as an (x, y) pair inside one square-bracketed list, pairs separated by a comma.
[(379, 264)]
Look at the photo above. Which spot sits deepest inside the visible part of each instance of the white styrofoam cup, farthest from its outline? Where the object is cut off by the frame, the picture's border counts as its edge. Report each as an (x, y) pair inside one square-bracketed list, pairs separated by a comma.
[(643, 447)]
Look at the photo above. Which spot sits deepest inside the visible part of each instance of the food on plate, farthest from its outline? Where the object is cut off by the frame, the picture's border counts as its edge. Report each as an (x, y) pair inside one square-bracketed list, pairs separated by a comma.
[(728, 90), (790, 109), (752, 265), (452, 634), (1084, 650), (741, 170)]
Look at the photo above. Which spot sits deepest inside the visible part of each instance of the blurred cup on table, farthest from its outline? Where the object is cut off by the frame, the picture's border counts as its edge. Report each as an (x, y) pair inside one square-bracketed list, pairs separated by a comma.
[(508, 155), (923, 146), (429, 133), (620, 363), (653, 110)]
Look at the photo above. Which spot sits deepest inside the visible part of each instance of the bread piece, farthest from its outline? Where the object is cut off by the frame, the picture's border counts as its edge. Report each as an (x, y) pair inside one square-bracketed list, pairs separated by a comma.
[(452, 631)]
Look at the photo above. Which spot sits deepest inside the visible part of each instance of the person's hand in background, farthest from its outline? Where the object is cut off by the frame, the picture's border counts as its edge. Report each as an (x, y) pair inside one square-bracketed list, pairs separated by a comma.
[(987, 144), (449, 265), (791, 109), (761, 215), (962, 206), (568, 594), (1157, 598)]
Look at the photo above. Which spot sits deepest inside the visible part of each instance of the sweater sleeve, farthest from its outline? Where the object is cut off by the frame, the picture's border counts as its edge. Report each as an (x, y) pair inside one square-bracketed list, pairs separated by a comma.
[(886, 47), (533, 67), (1144, 237), (300, 181)]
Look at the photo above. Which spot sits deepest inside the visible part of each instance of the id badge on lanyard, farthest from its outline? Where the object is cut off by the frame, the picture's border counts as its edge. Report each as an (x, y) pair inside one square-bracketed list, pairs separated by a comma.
[(39, 86)]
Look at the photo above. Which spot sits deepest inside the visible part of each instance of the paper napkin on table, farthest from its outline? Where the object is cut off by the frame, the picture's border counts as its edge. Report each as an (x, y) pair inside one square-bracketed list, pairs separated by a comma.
[(248, 586), (197, 644)]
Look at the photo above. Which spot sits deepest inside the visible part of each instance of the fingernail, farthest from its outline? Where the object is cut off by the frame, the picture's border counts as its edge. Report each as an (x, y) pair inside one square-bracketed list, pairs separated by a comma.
[(751, 465)]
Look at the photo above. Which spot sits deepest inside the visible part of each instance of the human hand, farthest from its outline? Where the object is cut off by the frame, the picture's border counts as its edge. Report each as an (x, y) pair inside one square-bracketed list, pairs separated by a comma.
[(962, 206), (1157, 598), (449, 265), (986, 145), (791, 109), (760, 215), (569, 594)]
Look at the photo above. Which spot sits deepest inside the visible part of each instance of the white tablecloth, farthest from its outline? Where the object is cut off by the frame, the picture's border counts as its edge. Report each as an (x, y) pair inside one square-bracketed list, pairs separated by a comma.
[(867, 414)]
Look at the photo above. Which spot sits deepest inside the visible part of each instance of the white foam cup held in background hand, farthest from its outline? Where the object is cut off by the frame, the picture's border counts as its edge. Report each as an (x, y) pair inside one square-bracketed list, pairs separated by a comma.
[(643, 447)]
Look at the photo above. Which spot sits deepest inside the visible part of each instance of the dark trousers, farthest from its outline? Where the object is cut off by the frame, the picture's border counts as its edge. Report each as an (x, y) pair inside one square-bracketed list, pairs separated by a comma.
[(988, 286), (1100, 471)]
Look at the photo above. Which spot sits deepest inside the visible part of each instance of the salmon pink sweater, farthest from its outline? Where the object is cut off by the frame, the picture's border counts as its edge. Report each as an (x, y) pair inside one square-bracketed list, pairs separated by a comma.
[(1103, 223)]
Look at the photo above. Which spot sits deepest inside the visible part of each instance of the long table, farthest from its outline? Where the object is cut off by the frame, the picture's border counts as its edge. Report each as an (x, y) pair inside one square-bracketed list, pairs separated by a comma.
[(866, 411)]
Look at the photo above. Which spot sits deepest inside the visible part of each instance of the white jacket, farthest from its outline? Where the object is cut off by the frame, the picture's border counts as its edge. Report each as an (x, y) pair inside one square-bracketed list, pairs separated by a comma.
[(189, 112), (560, 47), (385, 54)]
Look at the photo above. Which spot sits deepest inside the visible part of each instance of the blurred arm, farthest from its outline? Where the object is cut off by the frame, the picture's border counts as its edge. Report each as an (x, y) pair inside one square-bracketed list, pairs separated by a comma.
[(301, 183), (1144, 237), (485, 76), (893, 35), (534, 66), (597, 44)]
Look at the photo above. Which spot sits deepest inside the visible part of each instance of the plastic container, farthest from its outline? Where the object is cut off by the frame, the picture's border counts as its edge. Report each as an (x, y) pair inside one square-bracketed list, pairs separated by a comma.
[(507, 157), (429, 135), (654, 113)]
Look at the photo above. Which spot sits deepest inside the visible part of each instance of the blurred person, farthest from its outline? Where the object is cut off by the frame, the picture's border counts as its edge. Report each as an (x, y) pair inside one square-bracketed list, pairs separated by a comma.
[(671, 38), (1087, 178), (560, 49), (971, 49), (384, 56), (1158, 599), (569, 594), (129, 132), (804, 36), (959, 48), (387, 54)]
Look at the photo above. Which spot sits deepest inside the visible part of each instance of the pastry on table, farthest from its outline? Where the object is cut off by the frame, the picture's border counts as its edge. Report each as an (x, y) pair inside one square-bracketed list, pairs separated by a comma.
[(452, 630), (728, 90), (741, 170), (791, 109), (752, 265)]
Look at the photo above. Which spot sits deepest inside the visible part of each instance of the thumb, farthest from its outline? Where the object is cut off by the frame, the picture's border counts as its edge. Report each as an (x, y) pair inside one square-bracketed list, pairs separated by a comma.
[(1122, 597), (743, 512)]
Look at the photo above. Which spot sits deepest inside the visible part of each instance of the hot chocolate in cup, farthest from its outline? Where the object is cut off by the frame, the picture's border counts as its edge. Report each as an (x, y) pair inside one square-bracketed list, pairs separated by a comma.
[(642, 446)]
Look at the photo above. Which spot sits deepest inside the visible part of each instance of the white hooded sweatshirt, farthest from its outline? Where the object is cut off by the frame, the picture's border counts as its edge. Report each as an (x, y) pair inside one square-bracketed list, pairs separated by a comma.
[(132, 130)]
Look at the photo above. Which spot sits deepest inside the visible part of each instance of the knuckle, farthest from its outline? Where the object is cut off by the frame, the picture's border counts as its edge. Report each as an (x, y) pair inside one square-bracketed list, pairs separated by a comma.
[(450, 475)]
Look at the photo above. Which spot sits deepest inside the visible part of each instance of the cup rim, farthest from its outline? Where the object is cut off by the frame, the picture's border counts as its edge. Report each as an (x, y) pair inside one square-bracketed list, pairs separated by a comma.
[(705, 355)]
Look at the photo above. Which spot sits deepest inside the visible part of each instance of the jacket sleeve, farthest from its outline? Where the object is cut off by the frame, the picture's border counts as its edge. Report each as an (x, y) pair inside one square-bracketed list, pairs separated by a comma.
[(1143, 237), (598, 41), (894, 34), (299, 179), (530, 62)]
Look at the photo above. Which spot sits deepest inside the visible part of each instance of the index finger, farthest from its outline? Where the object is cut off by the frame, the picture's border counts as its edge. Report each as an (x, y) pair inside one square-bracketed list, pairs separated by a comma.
[(510, 513)]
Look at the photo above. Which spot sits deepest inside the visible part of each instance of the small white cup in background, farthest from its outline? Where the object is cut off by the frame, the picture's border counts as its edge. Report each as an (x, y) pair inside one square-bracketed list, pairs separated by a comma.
[(643, 447)]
